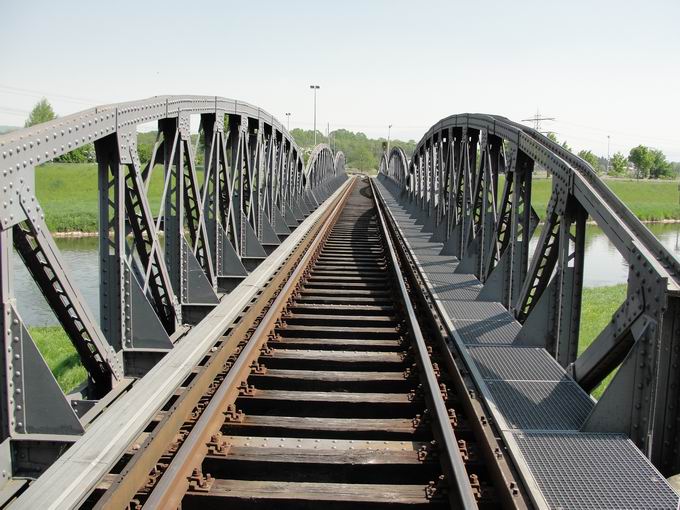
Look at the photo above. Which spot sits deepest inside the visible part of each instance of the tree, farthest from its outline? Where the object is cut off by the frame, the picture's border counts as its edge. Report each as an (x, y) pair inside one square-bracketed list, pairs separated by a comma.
[(618, 164), (661, 169), (84, 154), (553, 138), (362, 153), (144, 152), (643, 159), (591, 159), (41, 112), (675, 169)]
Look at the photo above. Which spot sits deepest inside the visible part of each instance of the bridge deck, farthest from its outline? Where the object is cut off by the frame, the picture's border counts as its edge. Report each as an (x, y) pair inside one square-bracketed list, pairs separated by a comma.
[(539, 408)]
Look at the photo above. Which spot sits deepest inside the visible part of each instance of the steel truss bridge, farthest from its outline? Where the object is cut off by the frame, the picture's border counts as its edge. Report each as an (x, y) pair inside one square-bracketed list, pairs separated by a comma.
[(279, 333)]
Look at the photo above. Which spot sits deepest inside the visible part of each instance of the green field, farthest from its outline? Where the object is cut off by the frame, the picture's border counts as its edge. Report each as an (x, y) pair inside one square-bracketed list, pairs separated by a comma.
[(599, 304), (650, 200), (68, 195)]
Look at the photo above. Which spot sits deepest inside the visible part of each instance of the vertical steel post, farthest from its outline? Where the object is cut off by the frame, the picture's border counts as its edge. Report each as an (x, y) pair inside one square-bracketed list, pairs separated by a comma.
[(173, 223), (6, 300), (112, 245), (570, 272)]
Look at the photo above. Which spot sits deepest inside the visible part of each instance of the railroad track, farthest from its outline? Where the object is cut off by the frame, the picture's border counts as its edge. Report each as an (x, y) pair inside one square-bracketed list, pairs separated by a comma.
[(335, 398)]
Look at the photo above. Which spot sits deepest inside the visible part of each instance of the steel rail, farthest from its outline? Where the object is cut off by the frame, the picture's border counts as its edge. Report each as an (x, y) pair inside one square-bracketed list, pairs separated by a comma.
[(508, 468), (69, 481), (462, 497), (170, 490)]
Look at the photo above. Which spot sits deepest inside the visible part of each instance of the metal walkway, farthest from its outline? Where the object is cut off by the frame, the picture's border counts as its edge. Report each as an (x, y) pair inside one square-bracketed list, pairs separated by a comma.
[(539, 408)]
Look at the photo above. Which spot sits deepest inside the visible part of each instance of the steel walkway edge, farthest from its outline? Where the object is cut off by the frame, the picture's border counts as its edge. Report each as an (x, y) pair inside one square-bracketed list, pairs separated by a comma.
[(74, 474), (537, 406)]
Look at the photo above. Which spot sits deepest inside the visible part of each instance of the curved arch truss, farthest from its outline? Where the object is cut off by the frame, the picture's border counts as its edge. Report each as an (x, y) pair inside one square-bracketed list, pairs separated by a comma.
[(162, 266), (325, 170), (470, 181)]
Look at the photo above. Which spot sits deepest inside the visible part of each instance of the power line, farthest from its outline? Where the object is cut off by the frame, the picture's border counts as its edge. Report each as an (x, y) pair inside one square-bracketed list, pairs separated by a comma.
[(13, 111), (620, 133), (38, 93), (536, 119)]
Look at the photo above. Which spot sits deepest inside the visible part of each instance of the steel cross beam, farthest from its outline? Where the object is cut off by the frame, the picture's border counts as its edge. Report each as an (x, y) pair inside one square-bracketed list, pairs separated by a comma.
[(453, 182), (164, 264)]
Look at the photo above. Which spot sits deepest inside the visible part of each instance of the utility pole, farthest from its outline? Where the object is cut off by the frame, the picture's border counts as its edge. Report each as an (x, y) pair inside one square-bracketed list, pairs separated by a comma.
[(608, 159), (389, 128), (328, 133), (314, 88), (536, 119), (288, 121)]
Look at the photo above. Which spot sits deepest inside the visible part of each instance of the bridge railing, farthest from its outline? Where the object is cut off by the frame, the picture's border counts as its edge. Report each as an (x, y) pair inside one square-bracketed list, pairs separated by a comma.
[(160, 270), (470, 180)]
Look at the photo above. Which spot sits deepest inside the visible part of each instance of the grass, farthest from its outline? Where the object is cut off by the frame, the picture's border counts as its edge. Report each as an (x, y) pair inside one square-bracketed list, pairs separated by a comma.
[(599, 304), (68, 193), (649, 200), (60, 356)]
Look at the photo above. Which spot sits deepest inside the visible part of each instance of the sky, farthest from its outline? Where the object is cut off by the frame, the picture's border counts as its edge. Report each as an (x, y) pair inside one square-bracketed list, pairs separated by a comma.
[(598, 67)]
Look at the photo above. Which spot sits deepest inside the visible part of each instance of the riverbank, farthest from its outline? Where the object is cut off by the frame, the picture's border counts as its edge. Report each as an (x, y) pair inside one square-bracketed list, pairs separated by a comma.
[(68, 193), (599, 303)]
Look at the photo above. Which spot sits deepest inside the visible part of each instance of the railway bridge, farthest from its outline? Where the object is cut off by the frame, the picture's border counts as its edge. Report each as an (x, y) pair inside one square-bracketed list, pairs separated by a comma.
[(278, 332)]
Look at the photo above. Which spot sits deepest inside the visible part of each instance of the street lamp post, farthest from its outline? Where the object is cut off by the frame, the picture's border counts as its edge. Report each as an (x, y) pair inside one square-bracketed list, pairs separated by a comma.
[(314, 88), (608, 158), (389, 128), (288, 121)]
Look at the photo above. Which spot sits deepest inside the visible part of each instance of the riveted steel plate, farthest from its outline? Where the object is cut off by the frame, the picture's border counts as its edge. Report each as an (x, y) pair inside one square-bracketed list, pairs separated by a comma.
[(586, 471)]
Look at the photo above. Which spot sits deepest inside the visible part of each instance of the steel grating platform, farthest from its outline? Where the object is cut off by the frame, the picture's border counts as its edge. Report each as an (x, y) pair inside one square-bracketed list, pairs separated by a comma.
[(476, 310), (569, 470), (525, 364), (499, 332), (450, 286), (537, 405), (541, 405)]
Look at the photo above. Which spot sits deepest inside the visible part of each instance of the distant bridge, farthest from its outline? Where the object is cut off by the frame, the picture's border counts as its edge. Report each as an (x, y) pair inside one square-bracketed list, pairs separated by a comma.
[(267, 267)]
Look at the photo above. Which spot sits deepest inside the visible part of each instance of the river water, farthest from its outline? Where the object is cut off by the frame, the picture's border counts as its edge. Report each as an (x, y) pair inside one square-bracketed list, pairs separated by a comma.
[(604, 266)]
